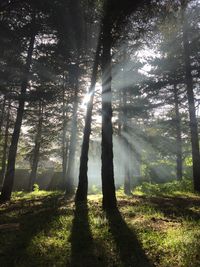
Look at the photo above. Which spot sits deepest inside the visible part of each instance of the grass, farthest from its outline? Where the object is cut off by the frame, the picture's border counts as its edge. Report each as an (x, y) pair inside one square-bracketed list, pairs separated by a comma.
[(46, 229), (174, 188)]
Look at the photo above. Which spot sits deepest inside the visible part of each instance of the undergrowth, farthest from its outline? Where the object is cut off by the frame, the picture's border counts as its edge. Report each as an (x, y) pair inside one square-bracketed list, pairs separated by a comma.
[(174, 188)]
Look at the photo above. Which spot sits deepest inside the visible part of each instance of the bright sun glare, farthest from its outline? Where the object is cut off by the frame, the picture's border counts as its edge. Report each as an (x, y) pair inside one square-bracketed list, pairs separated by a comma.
[(87, 96), (85, 100)]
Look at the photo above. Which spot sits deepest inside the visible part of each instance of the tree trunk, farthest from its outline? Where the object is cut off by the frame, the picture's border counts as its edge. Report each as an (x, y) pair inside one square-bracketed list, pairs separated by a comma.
[(191, 102), (127, 177), (179, 165), (107, 171), (10, 172), (65, 148), (5, 145), (36, 154), (81, 193), (64, 139), (2, 116), (72, 146), (123, 129)]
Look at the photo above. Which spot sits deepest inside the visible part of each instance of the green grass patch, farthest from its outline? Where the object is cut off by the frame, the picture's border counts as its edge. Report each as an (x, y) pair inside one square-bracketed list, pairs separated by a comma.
[(46, 229), (174, 188)]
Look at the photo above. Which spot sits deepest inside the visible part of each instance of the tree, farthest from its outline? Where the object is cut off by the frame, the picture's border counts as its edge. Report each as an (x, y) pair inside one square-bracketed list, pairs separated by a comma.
[(38, 140), (191, 101), (74, 73), (81, 193), (107, 170), (5, 143), (9, 177)]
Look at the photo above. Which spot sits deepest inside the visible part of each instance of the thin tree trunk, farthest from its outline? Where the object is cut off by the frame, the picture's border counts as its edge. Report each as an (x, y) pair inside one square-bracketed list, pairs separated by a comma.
[(2, 116), (123, 128), (64, 139), (107, 171), (191, 102), (127, 177), (36, 154), (65, 161), (10, 173), (72, 148), (179, 165), (5, 145), (64, 156), (81, 193)]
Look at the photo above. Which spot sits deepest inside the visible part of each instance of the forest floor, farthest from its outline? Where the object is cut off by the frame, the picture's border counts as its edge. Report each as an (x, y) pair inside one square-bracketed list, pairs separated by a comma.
[(150, 229)]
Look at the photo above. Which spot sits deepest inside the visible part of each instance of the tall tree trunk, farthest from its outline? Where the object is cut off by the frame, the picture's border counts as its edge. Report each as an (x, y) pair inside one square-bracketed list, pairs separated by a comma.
[(127, 177), (10, 172), (2, 116), (5, 145), (123, 129), (65, 148), (81, 193), (107, 171), (191, 102), (36, 152), (65, 160), (179, 165), (72, 146), (64, 139)]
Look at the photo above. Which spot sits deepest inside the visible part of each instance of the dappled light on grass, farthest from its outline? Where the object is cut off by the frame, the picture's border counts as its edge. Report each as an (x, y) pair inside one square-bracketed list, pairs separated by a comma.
[(82, 243), (166, 226), (174, 188), (162, 231), (130, 249), (35, 217)]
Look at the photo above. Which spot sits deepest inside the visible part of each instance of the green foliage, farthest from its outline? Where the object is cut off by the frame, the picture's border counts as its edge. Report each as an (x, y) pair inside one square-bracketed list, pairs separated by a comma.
[(94, 190), (159, 172), (36, 188), (172, 188), (188, 161)]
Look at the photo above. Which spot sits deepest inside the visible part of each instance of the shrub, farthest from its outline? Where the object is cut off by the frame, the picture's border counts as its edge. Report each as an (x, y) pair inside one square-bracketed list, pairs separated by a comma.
[(36, 188)]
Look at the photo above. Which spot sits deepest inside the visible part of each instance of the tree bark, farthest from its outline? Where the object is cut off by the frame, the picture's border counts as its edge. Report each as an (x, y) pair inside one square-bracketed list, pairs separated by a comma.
[(127, 177), (2, 116), (5, 145), (10, 172), (179, 164), (81, 193), (123, 129), (107, 171), (191, 102), (36, 154), (73, 137), (64, 139)]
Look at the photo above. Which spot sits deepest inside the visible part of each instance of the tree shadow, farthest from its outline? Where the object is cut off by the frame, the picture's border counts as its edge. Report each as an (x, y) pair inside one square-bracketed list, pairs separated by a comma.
[(176, 207), (36, 219), (83, 248), (128, 245), (26, 205)]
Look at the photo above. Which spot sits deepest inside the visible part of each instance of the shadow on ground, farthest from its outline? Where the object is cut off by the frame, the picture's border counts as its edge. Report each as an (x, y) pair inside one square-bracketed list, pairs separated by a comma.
[(130, 249), (32, 220), (176, 207), (84, 250)]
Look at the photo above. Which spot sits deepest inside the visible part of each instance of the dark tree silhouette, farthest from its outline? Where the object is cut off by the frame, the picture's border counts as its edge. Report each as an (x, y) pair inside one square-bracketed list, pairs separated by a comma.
[(10, 172), (191, 101)]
